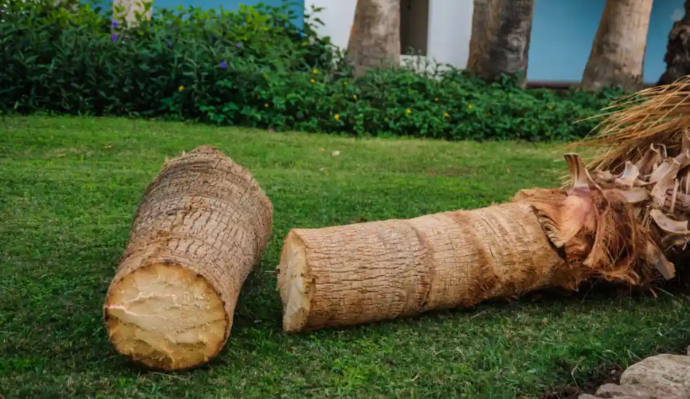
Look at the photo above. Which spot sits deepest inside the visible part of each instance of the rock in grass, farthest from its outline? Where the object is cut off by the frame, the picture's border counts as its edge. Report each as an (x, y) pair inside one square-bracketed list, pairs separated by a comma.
[(201, 226), (657, 377)]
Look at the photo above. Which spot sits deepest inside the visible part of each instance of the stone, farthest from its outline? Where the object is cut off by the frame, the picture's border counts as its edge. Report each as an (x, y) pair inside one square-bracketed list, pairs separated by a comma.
[(658, 377)]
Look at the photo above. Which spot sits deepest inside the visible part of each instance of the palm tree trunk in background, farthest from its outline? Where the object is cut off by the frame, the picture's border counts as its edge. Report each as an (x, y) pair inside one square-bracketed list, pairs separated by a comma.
[(481, 18), (617, 56), (375, 35), (129, 10), (500, 39), (678, 50)]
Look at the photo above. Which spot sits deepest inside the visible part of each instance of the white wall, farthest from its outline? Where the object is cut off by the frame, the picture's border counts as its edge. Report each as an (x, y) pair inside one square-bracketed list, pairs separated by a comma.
[(450, 26), (337, 15)]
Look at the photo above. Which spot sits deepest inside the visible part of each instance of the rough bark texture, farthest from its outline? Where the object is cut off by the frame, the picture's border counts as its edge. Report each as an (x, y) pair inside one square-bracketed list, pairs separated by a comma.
[(201, 226), (375, 36), (555, 238), (131, 8), (619, 47), (677, 56), (657, 377), (500, 39), (366, 272)]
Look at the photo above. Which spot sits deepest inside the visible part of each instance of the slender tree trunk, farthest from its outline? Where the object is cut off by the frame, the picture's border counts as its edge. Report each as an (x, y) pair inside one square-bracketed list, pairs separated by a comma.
[(678, 50), (375, 35), (500, 39), (200, 228), (617, 56)]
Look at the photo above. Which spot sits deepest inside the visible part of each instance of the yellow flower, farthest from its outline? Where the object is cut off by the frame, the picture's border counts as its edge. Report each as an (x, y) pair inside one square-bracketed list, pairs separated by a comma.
[(469, 106), (445, 114), (409, 111), (435, 99), (180, 88), (354, 96), (266, 105), (550, 106), (345, 83), (337, 116), (313, 81), (315, 71)]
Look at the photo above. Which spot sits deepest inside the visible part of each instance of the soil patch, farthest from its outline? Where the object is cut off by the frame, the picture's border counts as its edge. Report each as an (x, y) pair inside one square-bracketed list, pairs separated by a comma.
[(604, 374)]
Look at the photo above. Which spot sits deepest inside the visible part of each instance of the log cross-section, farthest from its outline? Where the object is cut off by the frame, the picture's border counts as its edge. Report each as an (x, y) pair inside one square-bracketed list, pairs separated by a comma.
[(200, 228)]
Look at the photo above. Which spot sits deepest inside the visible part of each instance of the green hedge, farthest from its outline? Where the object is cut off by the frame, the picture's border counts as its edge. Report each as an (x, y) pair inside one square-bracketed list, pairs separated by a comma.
[(255, 67)]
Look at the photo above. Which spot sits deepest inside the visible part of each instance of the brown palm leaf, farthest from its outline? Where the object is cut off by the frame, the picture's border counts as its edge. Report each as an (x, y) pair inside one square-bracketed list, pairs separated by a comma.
[(658, 115)]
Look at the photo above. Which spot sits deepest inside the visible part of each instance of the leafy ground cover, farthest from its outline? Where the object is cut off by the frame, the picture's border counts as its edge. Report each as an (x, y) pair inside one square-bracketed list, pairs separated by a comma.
[(69, 189), (255, 67)]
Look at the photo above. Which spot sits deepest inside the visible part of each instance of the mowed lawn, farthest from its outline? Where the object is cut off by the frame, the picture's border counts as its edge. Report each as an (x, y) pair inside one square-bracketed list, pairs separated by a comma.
[(70, 187)]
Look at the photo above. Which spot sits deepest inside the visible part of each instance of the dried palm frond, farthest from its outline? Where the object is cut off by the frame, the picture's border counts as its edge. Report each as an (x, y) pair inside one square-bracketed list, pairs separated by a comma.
[(602, 227), (659, 115), (642, 175)]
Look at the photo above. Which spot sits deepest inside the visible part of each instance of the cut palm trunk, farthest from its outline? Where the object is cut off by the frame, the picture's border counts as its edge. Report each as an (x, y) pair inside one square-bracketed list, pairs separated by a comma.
[(201, 226), (620, 220), (361, 273)]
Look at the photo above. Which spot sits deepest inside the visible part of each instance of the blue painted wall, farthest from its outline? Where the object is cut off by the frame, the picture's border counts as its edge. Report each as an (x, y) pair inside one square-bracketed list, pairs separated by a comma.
[(230, 5), (563, 32)]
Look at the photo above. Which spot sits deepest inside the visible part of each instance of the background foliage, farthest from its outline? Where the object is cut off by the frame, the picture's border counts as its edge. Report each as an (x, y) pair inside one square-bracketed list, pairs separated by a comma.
[(255, 67)]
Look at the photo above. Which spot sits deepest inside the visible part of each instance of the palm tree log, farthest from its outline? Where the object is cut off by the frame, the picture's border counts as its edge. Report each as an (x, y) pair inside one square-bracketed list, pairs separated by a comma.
[(362, 273), (201, 226)]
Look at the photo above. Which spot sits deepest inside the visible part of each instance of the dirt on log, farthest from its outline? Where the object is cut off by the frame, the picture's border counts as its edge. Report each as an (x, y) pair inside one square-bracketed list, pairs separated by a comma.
[(200, 228)]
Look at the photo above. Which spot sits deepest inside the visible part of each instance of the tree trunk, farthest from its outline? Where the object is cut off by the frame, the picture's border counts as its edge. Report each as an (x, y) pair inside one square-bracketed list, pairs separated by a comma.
[(367, 272), (500, 39), (618, 51), (127, 10), (361, 273), (375, 36), (202, 225), (677, 56)]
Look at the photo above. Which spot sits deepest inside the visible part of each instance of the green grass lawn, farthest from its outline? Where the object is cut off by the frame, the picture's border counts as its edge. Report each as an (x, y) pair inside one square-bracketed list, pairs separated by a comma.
[(69, 188)]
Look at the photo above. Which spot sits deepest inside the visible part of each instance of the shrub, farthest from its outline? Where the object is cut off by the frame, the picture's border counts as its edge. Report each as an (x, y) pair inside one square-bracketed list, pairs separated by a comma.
[(255, 67)]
